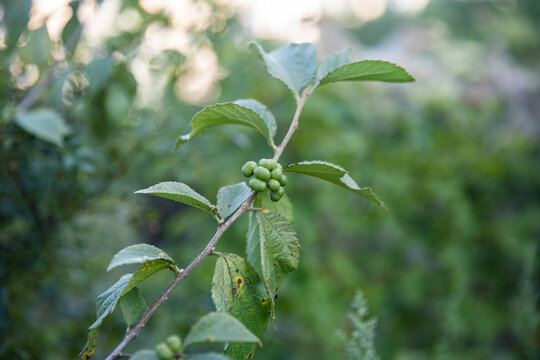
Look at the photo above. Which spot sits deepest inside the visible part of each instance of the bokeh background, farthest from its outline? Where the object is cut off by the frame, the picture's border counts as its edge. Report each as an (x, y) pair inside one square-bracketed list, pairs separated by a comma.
[(450, 271)]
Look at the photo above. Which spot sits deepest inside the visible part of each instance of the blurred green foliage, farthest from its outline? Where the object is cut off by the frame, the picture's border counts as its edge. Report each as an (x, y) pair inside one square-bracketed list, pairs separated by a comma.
[(450, 271)]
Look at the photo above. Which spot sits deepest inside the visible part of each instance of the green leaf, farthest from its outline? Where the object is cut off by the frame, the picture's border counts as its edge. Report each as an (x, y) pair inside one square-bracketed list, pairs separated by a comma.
[(38, 48), (219, 327), (263, 112), (208, 356), (294, 64), (180, 192), (144, 355), (99, 71), (106, 302), (238, 290), (368, 70), (139, 254), (73, 23), (45, 124), (331, 63), (334, 174), (283, 206), (133, 306), (253, 243), (279, 249), (16, 15), (231, 197), (246, 112)]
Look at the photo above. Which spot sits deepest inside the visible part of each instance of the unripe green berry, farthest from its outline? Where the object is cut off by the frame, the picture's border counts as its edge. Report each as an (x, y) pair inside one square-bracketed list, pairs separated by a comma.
[(174, 343), (270, 164), (163, 352), (273, 185), (281, 191), (247, 169), (275, 197), (279, 166), (257, 185), (283, 180), (276, 174), (261, 173)]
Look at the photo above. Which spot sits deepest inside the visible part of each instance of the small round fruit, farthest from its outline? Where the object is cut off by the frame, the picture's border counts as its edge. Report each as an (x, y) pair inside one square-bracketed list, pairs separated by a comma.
[(270, 164), (283, 180), (261, 173), (275, 197), (279, 166), (247, 169), (257, 185), (281, 191), (163, 352), (174, 343), (276, 174), (273, 185)]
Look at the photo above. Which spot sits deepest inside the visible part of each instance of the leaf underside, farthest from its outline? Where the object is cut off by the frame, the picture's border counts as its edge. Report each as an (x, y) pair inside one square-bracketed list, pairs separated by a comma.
[(218, 327), (133, 306), (231, 197), (139, 254), (334, 174), (293, 64), (45, 124), (180, 192), (331, 63), (247, 112)]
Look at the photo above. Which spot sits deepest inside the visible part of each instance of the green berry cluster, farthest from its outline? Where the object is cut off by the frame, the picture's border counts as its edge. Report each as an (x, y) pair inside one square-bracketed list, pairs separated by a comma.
[(167, 350), (268, 174)]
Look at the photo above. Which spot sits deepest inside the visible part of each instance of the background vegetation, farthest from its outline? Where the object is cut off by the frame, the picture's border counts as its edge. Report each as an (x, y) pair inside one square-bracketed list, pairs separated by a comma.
[(450, 271)]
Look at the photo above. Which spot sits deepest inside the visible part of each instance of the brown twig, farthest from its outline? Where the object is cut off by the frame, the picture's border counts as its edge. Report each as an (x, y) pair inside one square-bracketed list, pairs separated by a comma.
[(294, 124), (209, 249)]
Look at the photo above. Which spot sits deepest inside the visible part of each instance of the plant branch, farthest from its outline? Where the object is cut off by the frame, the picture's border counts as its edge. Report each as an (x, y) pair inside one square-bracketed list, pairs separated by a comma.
[(209, 249), (294, 124)]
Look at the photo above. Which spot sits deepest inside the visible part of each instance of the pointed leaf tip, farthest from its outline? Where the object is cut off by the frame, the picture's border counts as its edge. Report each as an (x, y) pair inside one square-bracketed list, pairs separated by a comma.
[(182, 139), (334, 174), (368, 70), (180, 192)]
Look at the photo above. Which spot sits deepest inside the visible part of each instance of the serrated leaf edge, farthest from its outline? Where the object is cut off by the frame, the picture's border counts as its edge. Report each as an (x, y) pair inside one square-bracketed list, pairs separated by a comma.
[(182, 139), (412, 79)]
